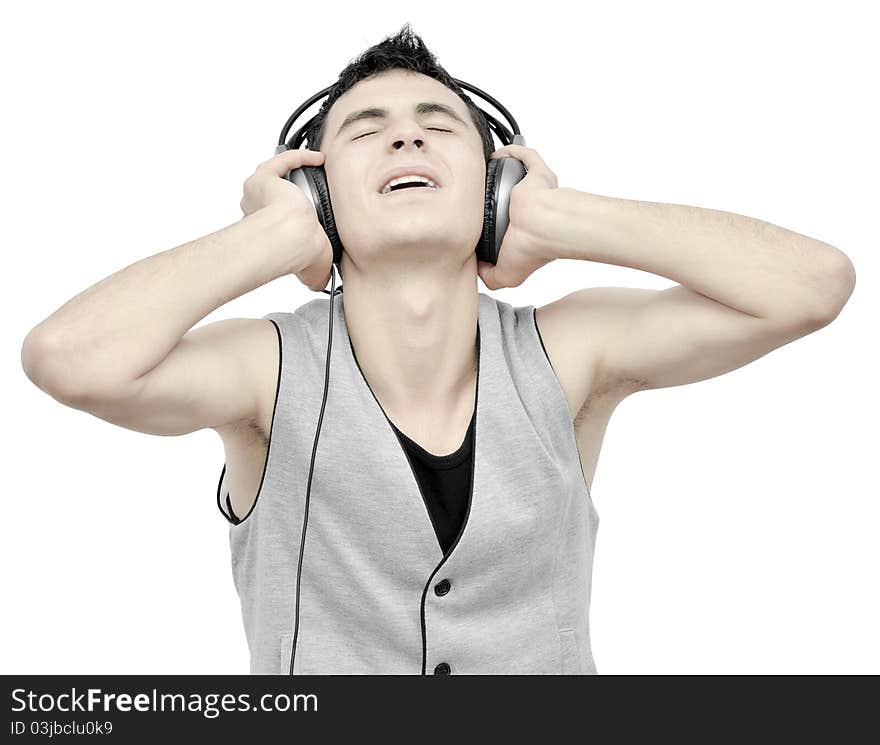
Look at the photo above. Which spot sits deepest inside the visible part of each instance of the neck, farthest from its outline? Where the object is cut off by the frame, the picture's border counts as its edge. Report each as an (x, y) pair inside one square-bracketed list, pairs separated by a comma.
[(414, 336)]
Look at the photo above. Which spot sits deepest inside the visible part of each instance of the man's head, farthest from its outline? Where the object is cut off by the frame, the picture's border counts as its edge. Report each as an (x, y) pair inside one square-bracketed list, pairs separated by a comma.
[(394, 109)]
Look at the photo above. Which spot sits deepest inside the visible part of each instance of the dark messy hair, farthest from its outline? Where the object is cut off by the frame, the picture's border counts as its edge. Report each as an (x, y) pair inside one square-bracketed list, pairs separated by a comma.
[(403, 50)]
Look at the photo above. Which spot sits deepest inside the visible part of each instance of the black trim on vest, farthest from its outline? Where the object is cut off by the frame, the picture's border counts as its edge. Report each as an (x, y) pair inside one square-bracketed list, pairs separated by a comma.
[(467, 514), (540, 339), (232, 517), (235, 520)]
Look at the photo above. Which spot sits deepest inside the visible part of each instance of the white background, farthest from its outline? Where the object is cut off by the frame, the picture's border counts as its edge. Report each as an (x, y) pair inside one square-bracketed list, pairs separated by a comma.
[(739, 515)]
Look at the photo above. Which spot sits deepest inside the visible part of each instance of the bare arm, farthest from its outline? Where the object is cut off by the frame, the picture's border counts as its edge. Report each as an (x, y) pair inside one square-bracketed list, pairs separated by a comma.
[(118, 349), (119, 341), (746, 287), (112, 334)]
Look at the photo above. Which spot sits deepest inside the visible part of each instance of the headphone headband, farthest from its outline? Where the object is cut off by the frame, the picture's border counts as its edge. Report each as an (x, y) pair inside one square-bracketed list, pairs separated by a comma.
[(503, 133)]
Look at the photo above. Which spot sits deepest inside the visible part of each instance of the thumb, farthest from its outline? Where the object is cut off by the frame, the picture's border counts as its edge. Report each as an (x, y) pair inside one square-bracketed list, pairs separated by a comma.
[(486, 270)]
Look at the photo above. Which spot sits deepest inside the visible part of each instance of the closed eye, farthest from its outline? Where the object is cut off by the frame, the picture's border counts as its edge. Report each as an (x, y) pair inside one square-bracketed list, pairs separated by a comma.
[(435, 129)]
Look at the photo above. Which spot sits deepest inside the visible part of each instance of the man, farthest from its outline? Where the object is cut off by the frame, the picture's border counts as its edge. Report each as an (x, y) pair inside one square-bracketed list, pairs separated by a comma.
[(125, 350)]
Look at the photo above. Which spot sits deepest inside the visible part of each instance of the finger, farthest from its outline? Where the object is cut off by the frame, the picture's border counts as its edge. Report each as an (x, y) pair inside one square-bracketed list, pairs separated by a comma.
[(290, 159), (529, 157), (512, 148)]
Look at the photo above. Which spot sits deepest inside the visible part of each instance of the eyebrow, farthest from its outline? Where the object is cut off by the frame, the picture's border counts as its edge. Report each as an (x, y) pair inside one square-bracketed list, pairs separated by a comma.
[(426, 107)]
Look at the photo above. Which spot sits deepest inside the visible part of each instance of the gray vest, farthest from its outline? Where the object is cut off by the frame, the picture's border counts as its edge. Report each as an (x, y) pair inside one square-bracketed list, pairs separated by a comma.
[(377, 595)]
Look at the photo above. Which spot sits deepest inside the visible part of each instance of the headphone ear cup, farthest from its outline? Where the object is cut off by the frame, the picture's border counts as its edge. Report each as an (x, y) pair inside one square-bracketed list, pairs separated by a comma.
[(502, 175), (313, 181), (486, 246)]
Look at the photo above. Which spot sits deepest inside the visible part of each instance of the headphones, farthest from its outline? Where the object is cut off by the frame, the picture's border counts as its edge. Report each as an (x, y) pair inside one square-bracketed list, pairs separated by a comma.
[(502, 174)]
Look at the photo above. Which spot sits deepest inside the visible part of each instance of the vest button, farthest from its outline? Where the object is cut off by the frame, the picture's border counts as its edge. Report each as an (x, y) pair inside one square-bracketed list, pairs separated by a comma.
[(442, 669), (442, 587)]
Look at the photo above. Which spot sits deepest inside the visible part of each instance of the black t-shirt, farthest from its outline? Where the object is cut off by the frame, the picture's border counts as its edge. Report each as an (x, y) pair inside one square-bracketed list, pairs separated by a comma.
[(445, 481)]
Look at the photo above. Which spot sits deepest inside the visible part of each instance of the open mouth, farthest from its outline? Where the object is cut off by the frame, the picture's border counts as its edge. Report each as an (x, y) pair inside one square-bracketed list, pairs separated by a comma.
[(408, 187), (412, 181)]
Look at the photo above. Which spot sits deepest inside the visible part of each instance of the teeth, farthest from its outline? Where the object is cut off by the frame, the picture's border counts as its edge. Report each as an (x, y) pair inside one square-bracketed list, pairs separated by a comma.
[(408, 179)]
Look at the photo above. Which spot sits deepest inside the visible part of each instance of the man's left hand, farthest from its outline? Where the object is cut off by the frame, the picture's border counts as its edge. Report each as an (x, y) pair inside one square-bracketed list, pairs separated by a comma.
[(525, 247)]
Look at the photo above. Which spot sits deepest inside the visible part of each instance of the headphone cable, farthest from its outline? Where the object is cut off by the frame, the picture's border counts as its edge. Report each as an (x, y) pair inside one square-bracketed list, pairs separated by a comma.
[(332, 292)]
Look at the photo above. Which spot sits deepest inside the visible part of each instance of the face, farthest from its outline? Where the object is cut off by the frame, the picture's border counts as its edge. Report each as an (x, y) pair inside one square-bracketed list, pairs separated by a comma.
[(412, 225)]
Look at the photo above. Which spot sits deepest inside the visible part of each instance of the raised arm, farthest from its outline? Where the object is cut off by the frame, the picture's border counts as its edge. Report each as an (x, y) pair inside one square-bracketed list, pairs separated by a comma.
[(746, 287), (123, 349)]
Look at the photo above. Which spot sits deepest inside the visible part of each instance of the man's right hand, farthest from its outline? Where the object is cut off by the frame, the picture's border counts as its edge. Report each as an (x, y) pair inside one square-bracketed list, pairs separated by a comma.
[(268, 188)]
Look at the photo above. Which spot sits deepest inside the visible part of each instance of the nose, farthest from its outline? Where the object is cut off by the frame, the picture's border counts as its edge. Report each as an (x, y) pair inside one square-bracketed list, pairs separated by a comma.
[(405, 133), (401, 143)]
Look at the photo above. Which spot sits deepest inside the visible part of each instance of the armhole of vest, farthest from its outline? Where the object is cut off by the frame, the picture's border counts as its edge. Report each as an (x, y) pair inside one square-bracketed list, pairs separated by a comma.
[(539, 360), (223, 502), (564, 403)]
